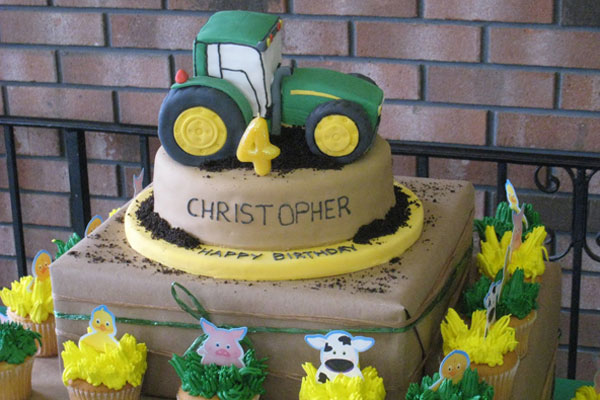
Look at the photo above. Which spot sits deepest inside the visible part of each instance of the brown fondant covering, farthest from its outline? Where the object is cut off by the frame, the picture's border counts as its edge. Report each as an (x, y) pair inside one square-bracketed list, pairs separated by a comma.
[(408, 291), (282, 211)]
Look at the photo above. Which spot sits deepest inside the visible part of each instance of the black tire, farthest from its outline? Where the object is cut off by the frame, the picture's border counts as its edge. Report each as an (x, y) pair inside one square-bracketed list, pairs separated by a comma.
[(363, 77), (179, 100), (351, 110)]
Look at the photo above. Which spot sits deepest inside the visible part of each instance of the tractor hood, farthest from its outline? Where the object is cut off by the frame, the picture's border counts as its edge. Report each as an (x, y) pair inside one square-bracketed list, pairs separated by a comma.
[(308, 87)]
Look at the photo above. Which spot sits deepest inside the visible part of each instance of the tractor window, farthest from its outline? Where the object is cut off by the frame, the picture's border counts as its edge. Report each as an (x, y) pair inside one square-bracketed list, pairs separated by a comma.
[(242, 66)]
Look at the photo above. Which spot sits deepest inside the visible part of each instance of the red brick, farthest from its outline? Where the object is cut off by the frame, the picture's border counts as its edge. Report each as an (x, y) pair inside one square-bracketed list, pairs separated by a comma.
[(565, 48), (438, 124), (37, 239), (418, 41), (51, 28), (3, 174), (140, 108), (586, 365), (184, 62), (8, 271), (7, 244), (45, 175), (153, 145), (581, 92), (1, 105), (486, 86), (269, 6), (45, 209), (24, 2), (479, 173), (116, 69), (549, 131), (103, 207), (103, 179), (397, 81), (37, 141), (112, 146), (590, 287), (27, 65), (61, 103), (315, 37), (5, 207), (155, 31), (383, 8), (589, 326), (152, 4), (490, 10)]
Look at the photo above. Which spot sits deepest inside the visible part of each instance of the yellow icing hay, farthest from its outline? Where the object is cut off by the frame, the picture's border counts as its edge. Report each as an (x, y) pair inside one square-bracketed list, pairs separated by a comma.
[(586, 393), (489, 350), (114, 368), (529, 256), (342, 387), (29, 297)]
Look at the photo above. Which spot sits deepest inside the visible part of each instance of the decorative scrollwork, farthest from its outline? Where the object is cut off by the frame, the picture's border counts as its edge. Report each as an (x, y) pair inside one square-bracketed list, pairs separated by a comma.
[(590, 252), (551, 184)]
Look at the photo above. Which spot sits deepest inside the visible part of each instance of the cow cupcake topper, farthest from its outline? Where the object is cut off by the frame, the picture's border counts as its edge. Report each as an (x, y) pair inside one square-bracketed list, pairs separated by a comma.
[(339, 354)]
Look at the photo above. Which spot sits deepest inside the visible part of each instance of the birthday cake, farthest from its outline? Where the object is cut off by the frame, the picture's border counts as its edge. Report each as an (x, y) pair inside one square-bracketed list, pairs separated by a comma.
[(273, 207)]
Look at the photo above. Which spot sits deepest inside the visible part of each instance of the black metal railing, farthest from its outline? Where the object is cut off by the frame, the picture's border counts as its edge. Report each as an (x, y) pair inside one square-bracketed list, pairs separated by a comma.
[(580, 167)]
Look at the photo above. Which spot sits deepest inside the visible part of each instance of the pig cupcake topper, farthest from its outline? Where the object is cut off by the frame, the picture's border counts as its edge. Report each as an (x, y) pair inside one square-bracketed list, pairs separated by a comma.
[(339, 354), (222, 346)]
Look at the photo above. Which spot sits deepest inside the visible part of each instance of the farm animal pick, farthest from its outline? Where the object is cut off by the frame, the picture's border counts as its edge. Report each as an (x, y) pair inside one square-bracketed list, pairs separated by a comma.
[(41, 263), (101, 330), (492, 298), (339, 354), (453, 367), (95, 222), (513, 200), (222, 346)]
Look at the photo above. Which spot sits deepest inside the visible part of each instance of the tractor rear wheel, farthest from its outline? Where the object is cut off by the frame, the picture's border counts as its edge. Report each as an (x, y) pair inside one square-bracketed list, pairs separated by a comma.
[(339, 129), (198, 124)]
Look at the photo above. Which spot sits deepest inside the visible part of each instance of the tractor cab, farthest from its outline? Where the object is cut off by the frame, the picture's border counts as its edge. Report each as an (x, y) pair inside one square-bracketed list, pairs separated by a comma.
[(243, 49)]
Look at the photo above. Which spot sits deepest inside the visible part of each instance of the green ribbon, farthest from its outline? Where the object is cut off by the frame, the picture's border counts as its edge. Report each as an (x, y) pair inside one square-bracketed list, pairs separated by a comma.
[(200, 311)]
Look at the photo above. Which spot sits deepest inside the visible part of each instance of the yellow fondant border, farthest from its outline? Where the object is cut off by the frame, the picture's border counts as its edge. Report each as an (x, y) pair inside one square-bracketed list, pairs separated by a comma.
[(258, 265)]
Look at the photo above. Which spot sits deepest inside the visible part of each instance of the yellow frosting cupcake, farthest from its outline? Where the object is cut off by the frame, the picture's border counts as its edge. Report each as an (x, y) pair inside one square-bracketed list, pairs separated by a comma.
[(529, 257), (29, 302), (586, 393), (116, 373), (493, 356), (342, 387)]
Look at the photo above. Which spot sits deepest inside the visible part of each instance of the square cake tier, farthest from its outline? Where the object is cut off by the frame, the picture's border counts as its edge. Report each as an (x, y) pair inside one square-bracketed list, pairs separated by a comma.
[(400, 304)]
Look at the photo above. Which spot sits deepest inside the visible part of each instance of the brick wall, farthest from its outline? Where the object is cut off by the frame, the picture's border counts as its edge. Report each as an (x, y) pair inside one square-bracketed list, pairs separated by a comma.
[(508, 73)]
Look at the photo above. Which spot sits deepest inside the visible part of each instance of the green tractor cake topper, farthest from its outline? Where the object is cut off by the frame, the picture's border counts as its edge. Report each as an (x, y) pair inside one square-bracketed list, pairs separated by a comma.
[(240, 94)]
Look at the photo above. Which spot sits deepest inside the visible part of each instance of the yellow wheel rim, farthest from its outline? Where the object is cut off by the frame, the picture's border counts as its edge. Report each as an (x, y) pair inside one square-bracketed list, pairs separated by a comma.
[(200, 131), (336, 135)]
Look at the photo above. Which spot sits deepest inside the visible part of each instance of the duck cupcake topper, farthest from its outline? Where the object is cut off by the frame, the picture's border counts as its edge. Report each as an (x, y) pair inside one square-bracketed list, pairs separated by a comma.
[(453, 367), (102, 330)]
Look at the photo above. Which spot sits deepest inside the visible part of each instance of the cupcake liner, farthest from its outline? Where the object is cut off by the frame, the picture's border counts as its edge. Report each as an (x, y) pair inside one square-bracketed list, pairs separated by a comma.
[(500, 377), (15, 381), (87, 392), (522, 330), (47, 329), (183, 395)]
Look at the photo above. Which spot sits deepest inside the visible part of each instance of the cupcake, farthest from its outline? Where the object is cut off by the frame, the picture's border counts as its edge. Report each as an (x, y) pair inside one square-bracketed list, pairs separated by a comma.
[(469, 388), (339, 376), (502, 221), (17, 348), (220, 369), (586, 393), (518, 300), (493, 356), (369, 387), (100, 367), (529, 256), (29, 302)]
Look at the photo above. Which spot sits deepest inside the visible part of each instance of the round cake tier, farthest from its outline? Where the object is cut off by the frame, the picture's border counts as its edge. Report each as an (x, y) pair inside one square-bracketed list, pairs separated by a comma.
[(281, 211)]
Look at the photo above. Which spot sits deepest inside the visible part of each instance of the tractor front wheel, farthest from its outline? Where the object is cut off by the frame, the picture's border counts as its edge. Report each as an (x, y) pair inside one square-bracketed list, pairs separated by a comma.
[(339, 129), (198, 124)]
